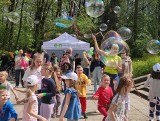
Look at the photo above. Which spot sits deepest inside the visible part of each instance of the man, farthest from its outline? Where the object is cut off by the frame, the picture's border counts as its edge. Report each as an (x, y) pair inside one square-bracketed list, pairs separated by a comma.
[(71, 58), (19, 70)]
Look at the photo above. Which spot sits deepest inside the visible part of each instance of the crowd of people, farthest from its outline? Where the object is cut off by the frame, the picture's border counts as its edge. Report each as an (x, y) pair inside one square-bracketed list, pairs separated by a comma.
[(45, 80)]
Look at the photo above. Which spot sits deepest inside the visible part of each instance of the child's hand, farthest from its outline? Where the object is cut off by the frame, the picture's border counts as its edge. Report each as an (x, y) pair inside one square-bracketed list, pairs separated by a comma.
[(61, 119), (39, 95), (17, 98), (12, 119), (94, 38), (115, 84), (43, 119)]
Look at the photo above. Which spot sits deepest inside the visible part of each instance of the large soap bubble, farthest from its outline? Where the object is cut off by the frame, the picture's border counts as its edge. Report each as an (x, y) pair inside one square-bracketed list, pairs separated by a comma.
[(110, 43), (94, 8), (13, 17), (153, 47), (64, 22), (125, 33), (103, 27)]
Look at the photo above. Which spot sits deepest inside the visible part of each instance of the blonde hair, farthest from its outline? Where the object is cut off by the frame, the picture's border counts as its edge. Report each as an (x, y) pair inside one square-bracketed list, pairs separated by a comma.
[(115, 46), (29, 90), (35, 57), (105, 76), (4, 73)]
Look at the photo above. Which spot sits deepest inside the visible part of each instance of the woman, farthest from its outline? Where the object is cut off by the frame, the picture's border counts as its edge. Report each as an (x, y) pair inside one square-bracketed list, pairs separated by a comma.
[(54, 59), (114, 63)]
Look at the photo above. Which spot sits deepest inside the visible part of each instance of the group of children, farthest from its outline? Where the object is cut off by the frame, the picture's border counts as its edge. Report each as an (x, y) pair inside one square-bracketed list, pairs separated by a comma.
[(43, 94)]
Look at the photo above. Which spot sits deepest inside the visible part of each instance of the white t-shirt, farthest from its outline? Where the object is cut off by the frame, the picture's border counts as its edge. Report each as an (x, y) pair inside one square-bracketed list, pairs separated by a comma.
[(35, 71), (9, 87)]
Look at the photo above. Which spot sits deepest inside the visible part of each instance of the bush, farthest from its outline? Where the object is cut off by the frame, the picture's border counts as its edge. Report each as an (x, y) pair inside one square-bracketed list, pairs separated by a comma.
[(144, 65)]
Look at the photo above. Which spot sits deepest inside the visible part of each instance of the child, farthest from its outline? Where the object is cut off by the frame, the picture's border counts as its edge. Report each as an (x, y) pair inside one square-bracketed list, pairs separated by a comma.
[(3, 80), (81, 84), (47, 92), (117, 106), (154, 92), (58, 81), (104, 95), (7, 111), (71, 105), (30, 112)]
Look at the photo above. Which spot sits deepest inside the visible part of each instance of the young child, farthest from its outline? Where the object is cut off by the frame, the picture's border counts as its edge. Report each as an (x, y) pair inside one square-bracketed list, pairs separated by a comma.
[(81, 84), (47, 92), (117, 106), (71, 106), (7, 111), (3, 80), (104, 95), (30, 112), (154, 92), (58, 81)]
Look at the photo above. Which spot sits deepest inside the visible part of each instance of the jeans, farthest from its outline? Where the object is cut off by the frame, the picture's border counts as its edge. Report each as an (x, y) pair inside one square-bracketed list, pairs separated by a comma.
[(71, 120), (19, 72), (97, 74), (86, 71)]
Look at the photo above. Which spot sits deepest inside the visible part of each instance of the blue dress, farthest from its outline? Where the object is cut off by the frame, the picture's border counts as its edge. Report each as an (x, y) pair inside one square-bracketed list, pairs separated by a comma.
[(74, 109)]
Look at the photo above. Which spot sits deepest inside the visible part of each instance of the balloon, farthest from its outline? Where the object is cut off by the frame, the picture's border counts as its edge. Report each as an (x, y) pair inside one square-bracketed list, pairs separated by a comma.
[(117, 9), (153, 46), (103, 27), (90, 52), (64, 22), (13, 17), (94, 8), (111, 33), (16, 52), (125, 33)]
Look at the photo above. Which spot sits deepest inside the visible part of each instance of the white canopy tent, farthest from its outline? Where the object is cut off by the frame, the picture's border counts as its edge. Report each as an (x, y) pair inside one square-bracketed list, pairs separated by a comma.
[(63, 42)]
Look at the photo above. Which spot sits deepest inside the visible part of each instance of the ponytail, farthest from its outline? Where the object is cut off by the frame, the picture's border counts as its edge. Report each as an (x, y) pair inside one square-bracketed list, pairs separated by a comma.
[(28, 92)]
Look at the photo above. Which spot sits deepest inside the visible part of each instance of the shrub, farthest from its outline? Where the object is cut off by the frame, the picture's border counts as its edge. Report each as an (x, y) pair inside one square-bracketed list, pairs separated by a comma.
[(144, 65)]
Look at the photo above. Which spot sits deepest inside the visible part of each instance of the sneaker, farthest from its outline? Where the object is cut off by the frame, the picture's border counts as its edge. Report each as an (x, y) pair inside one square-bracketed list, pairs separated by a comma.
[(85, 116)]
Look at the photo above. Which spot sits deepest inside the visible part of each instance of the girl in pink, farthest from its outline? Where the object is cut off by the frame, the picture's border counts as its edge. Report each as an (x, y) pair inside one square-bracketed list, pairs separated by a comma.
[(30, 112), (104, 95)]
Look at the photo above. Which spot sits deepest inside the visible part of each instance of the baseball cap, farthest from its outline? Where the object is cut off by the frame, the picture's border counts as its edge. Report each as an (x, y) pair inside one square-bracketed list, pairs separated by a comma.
[(70, 75), (32, 80), (156, 67)]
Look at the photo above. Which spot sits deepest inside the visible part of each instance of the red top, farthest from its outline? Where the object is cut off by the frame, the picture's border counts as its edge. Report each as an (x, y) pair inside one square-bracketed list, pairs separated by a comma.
[(104, 95)]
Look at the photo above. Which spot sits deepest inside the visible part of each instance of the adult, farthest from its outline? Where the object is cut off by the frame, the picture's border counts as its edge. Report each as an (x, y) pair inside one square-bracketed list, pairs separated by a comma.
[(86, 61), (46, 56), (96, 69), (19, 70), (54, 59), (127, 68), (71, 58), (77, 60), (5, 60), (114, 64)]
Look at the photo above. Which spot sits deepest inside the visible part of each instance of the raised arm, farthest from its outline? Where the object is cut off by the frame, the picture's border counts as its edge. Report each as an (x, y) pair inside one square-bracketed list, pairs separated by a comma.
[(97, 47)]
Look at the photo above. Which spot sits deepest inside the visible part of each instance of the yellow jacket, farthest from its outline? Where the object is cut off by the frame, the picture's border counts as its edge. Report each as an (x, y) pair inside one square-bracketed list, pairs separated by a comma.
[(81, 84)]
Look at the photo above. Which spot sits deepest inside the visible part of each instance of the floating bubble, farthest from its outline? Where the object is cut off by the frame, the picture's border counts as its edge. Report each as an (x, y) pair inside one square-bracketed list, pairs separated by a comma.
[(94, 8), (113, 46), (125, 33), (87, 36), (13, 17), (103, 27), (153, 47), (64, 22), (108, 21), (117, 9), (111, 33)]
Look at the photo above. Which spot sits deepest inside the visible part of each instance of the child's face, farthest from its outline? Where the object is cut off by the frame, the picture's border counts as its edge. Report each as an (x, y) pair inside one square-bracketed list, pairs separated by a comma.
[(38, 62), (68, 82), (2, 78), (3, 96), (43, 71), (105, 81), (79, 70)]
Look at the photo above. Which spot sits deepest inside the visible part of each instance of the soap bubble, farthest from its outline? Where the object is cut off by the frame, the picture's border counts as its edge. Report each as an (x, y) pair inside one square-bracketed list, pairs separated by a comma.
[(111, 33), (153, 47), (94, 8), (64, 22), (117, 9), (13, 17), (87, 36), (103, 27), (125, 33)]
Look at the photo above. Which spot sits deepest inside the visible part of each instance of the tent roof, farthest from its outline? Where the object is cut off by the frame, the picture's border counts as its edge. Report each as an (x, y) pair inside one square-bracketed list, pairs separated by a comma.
[(65, 41)]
